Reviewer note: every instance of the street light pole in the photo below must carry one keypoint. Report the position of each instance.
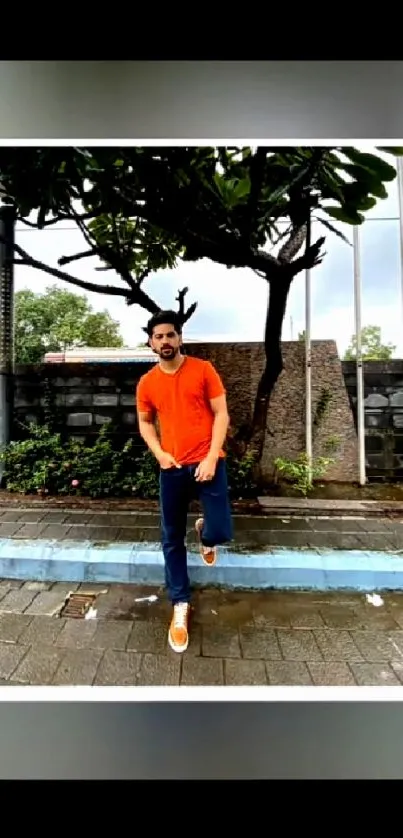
(399, 167)
(308, 374)
(7, 233)
(359, 366)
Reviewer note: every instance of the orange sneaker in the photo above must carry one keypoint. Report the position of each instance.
(178, 635)
(208, 554)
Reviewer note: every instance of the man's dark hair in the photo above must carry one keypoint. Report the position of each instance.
(164, 317)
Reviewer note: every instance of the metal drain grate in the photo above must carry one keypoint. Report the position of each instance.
(77, 605)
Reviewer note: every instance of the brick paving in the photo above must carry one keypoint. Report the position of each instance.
(266, 531)
(237, 639)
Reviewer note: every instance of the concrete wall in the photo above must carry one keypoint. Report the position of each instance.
(81, 397)
(383, 392)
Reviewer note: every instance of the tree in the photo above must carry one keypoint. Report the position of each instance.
(372, 348)
(141, 209)
(58, 320)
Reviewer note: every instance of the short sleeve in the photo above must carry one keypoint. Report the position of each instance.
(143, 401)
(213, 383)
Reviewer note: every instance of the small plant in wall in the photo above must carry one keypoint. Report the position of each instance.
(322, 408)
(301, 473)
(332, 444)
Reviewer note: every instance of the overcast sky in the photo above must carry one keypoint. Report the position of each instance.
(231, 303)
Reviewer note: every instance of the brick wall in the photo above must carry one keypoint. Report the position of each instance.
(81, 397)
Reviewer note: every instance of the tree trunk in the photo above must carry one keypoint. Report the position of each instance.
(255, 439)
(250, 439)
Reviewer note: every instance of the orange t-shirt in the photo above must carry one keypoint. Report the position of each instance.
(180, 400)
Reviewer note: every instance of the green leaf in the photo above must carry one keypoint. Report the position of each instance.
(366, 203)
(384, 171)
(219, 182)
(331, 181)
(242, 188)
(396, 151)
(333, 229)
(365, 180)
(355, 196)
(347, 215)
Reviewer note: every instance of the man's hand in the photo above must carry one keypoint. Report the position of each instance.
(206, 469)
(167, 461)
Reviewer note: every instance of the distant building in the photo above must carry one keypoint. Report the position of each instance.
(103, 355)
(100, 356)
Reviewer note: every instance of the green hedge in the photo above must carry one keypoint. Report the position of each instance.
(44, 464)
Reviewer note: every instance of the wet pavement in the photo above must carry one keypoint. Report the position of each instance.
(250, 531)
(237, 639)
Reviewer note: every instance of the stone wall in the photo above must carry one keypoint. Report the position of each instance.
(81, 397)
(241, 366)
(383, 394)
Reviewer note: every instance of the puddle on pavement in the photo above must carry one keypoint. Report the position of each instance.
(235, 609)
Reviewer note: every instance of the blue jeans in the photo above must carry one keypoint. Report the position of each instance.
(178, 488)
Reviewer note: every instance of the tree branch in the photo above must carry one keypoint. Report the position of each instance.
(188, 314)
(184, 314)
(310, 259)
(107, 254)
(257, 171)
(293, 244)
(28, 260)
(64, 260)
(86, 216)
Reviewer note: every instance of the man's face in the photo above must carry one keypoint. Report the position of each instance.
(165, 341)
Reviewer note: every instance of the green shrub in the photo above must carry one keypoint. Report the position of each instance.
(301, 473)
(241, 479)
(46, 465)
(146, 481)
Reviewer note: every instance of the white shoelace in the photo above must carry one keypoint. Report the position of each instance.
(180, 613)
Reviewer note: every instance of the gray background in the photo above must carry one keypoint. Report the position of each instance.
(201, 741)
(185, 99)
(75, 100)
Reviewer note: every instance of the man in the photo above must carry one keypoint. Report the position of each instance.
(187, 398)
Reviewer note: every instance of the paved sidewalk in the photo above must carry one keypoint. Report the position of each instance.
(251, 531)
(244, 639)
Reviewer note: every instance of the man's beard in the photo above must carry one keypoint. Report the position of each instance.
(169, 353)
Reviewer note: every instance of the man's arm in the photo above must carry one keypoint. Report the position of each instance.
(146, 420)
(146, 415)
(216, 395)
(148, 432)
(220, 425)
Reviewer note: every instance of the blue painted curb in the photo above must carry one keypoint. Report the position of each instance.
(142, 563)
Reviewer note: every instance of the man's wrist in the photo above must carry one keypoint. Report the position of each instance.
(213, 456)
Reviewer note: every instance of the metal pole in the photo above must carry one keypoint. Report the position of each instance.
(359, 364)
(308, 374)
(7, 231)
(399, 169)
